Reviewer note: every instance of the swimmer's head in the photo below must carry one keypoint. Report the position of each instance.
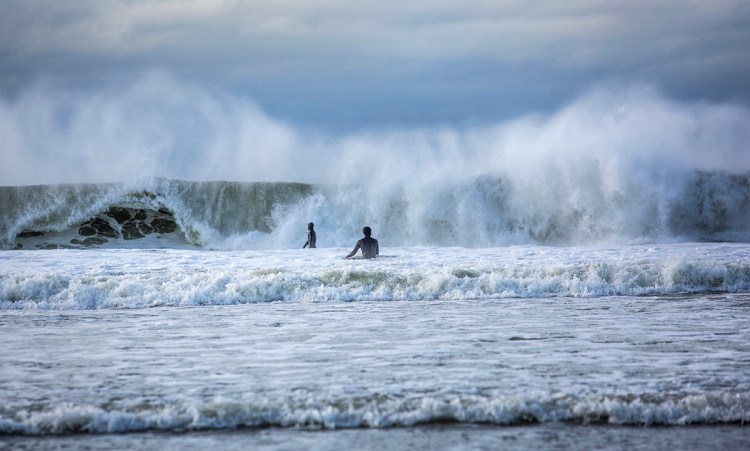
(367, 231)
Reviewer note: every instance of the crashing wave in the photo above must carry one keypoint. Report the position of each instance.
(381, 412)
(480, 212)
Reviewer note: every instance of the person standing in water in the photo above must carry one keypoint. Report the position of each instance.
(311, 238)
(368, 244)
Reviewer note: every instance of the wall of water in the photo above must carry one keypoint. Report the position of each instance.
(618, 164)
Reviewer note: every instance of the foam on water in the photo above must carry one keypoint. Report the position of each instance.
(114, 278)
(384, 412)
(671, 361)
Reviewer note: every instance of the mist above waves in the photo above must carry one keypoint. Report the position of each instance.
(160, 126)
(620, 161)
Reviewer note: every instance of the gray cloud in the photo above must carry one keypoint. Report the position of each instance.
(358, 64)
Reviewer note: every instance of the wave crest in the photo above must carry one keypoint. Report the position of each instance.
(382, 412)
(482, 212)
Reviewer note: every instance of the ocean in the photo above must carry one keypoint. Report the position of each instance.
(171, 314)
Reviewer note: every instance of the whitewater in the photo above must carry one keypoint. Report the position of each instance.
(467, 347)
(128, 279)
(572, 280)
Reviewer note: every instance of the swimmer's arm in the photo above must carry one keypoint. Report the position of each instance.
(356, 248)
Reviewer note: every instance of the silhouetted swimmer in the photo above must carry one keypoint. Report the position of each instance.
(311, 238)
(368, 244)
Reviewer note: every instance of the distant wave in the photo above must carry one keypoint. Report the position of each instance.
(203, 213)
(484, 211)
(617, 164)
(380, 411)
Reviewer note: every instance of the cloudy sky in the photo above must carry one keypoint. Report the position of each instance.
(351, 65)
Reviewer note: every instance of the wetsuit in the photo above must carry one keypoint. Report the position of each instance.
(369, 248)
(310, 239)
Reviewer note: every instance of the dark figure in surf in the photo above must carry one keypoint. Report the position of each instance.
(311, 238)
(368, 244)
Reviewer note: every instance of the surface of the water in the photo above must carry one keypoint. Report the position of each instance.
(428, 347)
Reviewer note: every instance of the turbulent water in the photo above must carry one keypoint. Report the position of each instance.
(124, 340)
(120, 278)
(571, 271)
(484, 211)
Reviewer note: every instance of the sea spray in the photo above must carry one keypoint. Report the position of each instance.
(485, 211)
(625, 166)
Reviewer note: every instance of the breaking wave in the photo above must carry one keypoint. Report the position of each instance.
(484, 211)
(618, 164)
(382, 412)
(180, 278)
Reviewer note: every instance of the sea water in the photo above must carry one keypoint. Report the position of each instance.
(512, 346)
(573, 280)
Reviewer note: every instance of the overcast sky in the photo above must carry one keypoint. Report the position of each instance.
(361, 64)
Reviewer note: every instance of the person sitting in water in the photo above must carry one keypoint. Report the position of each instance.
(311, 238)
(368, 244)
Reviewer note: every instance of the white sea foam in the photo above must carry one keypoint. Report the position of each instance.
(668, 361)
(121, 278)
(384, 412)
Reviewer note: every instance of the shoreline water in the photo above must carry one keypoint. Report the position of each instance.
(168, 348)
(616, 360)
(453, 437)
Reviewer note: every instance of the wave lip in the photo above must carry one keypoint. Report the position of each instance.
(480, 211)
(176, 213)
(382, 411)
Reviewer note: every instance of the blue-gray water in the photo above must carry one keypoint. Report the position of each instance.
(648, 372)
